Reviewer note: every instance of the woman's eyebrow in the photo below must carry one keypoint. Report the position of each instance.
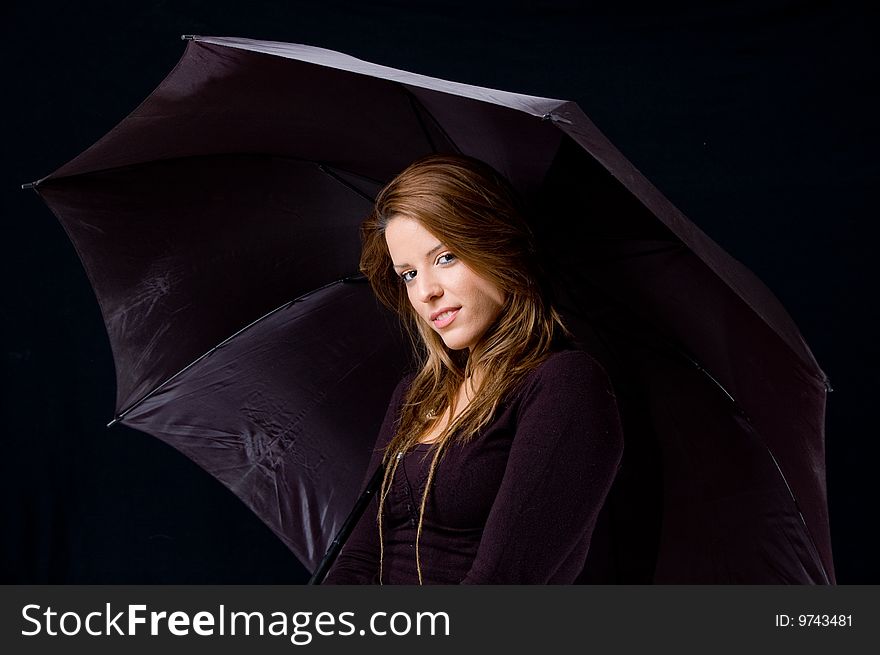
(427, 254)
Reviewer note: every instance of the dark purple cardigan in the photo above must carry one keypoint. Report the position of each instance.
(515, 505)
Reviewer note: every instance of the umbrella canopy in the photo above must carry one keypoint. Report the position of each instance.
(218, 226)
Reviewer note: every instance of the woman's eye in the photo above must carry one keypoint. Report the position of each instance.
(445, 258)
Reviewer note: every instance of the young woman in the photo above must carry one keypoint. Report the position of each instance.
(500, 450)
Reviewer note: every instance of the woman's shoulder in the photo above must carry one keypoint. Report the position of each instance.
(569, 363)
(566, 371)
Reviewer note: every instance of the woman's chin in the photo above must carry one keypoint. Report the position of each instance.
(454, 344)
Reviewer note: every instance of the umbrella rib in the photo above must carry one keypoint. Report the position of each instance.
(329, 171)
(345, 280)
(738, 409)
(800, 514)
(413, 102)
(703, 370)
(110, 169)
(417, 104)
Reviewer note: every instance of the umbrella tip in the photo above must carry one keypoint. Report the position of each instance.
(29, 185)
(187, 37)
(114, 421)
(556, 118)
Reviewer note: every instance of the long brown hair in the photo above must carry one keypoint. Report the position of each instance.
(475, 212)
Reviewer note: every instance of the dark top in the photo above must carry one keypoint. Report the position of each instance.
(515, 505)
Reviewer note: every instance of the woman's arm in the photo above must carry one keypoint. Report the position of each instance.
(563, 459)
(358, 561)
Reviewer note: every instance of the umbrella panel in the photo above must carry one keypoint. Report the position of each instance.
(264, 411)
(184, 253)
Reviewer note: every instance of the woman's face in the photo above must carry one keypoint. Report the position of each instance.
(457, 303)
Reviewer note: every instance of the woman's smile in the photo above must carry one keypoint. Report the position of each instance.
(445, 318)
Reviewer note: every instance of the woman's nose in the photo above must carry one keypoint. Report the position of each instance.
(428, 287)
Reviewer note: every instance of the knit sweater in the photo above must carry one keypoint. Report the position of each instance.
(517, 504)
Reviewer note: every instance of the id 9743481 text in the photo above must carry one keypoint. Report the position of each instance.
(813, 620)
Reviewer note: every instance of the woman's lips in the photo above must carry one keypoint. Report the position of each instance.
(445, 318)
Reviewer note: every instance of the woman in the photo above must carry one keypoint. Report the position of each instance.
(501, 448)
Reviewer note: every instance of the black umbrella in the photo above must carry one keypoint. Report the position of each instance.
(217, 224)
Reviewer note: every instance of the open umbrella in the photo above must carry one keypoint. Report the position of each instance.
(218, 226)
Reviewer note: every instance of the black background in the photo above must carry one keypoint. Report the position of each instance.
(757, 119)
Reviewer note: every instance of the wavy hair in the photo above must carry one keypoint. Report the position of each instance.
(476, 213)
